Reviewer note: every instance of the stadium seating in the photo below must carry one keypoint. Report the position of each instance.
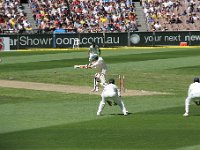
(100, 15)
(85, 16)
(173, 15)
(12, 17)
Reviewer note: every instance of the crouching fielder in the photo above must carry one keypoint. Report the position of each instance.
(111, 91)
(193, 94)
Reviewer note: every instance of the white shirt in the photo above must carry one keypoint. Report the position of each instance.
(157, 26)
(100, 64)
(111, 90)
(194, 90)
(170, 3)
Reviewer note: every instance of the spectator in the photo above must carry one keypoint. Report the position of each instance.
(157, 26)
(195, 17)
(190, 20)
(172, 20)
(178, 20)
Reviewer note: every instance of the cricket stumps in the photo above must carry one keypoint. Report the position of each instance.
(121, 83)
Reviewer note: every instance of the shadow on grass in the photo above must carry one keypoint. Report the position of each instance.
(161, 129)
(194, 111)
(120, 114)
(13, 100)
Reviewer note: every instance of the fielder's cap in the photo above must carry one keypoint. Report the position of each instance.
(111, 81)
(196, 79)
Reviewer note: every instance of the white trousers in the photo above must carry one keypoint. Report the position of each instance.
(188, 100)
(114, 96)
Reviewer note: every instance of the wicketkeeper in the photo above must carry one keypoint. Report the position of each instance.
(111, 91)
(193, 94)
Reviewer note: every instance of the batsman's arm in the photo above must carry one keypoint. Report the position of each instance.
(92, 65)
(81, 66)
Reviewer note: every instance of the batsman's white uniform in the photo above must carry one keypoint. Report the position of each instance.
(93, 50)
(100, 75)
(111, 91)
(193, 92)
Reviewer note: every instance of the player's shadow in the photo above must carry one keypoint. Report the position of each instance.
(195, 115)
(194, 111)
(120, 114)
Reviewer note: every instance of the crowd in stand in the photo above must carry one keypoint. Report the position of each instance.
(93, 16)
(12, 16)
(85, 15)
(170, 15)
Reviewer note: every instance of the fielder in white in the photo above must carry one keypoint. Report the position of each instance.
(111, 91)
(93, 50)
(193, 94)
(98, 62)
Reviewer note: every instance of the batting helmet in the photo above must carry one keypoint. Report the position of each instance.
(112, 81)
(94, 57)
(196, 79)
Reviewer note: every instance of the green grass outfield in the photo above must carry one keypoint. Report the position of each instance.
(42, 120)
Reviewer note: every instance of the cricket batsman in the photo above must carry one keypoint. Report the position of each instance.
(111, 91)
(98, 62)
(93, 50)
(193, 94)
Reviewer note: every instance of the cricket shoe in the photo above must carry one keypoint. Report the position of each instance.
(125, 114)
(98, 114)
(185, 114)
